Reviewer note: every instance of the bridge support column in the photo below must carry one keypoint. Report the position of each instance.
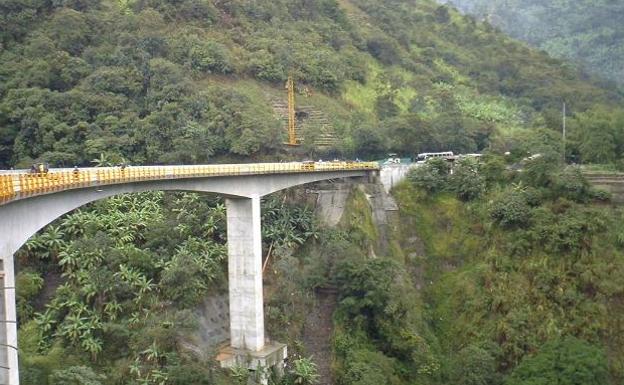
(9, 374)
(247, 341)
(245, 273)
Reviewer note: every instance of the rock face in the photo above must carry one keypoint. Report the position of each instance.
(317, 333)
(332, 199)
(214, 322)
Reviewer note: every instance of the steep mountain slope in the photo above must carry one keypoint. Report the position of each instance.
(159, 81)
(590, 32)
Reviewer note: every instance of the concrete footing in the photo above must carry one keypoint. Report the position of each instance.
(260, 363)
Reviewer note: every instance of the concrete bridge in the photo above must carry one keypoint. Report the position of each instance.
(30, 201)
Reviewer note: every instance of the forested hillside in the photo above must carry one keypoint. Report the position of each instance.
(489, 274)
(495, 277)
(521, 273)
(589, 32)
(193, 80)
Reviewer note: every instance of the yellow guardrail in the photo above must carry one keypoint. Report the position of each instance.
(7, 191)
(23, 184)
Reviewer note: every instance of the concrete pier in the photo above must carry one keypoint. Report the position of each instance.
(247, 342)
(9, 374)
(245, 273)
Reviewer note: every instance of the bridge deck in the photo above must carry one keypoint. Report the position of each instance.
(21, 184)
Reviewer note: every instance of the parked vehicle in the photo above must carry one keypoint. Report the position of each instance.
(422, 157)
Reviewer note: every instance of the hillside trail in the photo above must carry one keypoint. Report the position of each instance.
(317, 333)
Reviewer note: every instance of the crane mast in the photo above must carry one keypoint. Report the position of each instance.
(292, 133)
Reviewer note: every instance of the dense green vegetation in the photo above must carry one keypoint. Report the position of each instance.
(194, 81)
(510, 270)
(589, 32)
(114, 287)
(500, 277)
(524, 277)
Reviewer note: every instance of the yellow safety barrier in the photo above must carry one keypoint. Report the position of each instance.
(27, 184)
(7, 190)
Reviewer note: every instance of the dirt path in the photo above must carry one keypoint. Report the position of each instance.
(52, 280)
(317, 333)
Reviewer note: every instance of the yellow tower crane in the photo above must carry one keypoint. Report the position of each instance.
(292, 133)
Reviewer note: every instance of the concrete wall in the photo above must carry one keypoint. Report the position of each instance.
(391, 174)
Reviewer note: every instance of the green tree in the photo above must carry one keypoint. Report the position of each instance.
(467, 181)
(598, 136)
(431, 176)
(474, 366)
(566, 361)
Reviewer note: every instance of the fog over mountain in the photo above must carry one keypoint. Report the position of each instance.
(590, 32)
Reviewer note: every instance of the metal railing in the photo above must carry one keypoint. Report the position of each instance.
(20, 184)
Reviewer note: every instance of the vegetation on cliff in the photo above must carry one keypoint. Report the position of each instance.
(523, 281)
(501, 277)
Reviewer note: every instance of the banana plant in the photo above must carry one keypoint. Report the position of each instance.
(53, 241)
(305, 372)
(69, 260)
(112, 310)
(93, 346)
(73, 327)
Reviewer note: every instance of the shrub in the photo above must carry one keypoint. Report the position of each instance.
(493, 168)
(467, 181)
(571, 184)
(28, 286)
(511, 209)
(76, 375)
(474, 366)
(365, 367)
(568, 361)
(601, 195)
(210, 57)
(432, 176)
(304, 372)
(539, 170)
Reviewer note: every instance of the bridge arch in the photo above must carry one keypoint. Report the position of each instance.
(21, 219)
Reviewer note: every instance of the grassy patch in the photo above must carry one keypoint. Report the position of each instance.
(358, 221)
